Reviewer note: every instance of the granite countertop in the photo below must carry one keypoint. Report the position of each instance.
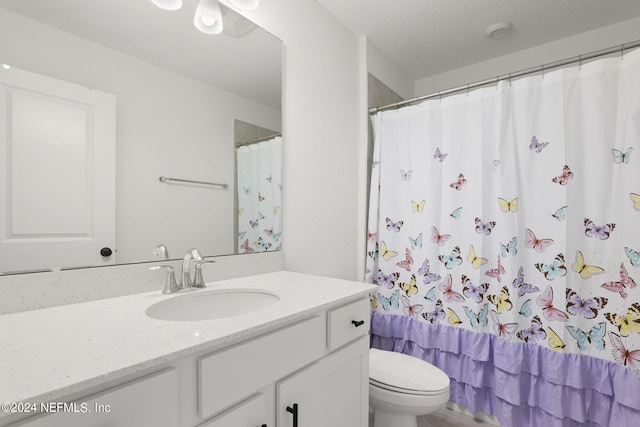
(51, 353)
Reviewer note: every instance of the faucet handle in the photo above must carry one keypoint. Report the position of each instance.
(199, 282)
(170, 285)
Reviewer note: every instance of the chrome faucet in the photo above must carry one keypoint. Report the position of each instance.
(187, 282)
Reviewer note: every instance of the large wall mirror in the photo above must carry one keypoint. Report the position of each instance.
(176, 103)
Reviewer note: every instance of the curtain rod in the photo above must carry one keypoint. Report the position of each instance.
(495, 80)
(257, 140)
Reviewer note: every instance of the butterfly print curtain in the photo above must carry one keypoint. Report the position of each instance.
(259, 196)
(504, 235)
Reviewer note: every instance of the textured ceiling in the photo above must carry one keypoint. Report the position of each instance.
(429, 37)
(249, 66)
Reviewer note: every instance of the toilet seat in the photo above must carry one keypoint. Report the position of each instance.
(401, 373)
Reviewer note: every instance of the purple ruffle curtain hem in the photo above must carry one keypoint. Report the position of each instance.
(524, 385)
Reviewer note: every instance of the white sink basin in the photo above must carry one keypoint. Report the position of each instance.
(207, 305)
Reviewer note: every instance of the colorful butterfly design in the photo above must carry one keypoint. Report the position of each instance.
(389, 302)
(276, 236)
(532, 242)
(553, 270)
(497, 272)
(548, 310)
(635, 199)
(554, 341)
(436, 315)
(240, 211)
(410, 288)
(502, 329)
(534, 333)
(428, 276)
(501, 300)
(522, 287)
(245, 247)
(406, 176)
(246, 190)
(439, 156)
(600, 231)
(388, 280)
(537, 146)
(260, 197)
(449, 294)
(475, 261)
(276, 209)
(510, 248)
(374, 253)
(628, 323)
(254, 224)
(410, 310)
(588, 308)
(241, 235)
(456, 213)
(508, 206)
(620, 157)
(560, 214)
(407, 262)
(594, 337)
(525, 309)
(453, 317)
(626, 281)
(459, 183)
(394, 226)
(261, 244)
(477, 319)
(472, 291)
(416, 243)
(440, 239)
(452, 259)
(484, 227)
(633, 255)
(260, 216)
(386, 253)
(623, 356)
(585, 271)
(374, 302)
(268, 231)
(564, 177)
(269, 178)
(418, 207)
(372, 236)
(431, 295)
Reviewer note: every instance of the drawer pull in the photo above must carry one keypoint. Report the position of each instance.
(263, 425)
(357, 323)
(294, 411)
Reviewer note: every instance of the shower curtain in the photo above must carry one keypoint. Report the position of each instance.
(259, 196)
(504, 236)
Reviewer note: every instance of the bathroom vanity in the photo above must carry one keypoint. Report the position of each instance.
(301, 361)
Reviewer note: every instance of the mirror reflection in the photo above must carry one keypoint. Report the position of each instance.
(169, 98)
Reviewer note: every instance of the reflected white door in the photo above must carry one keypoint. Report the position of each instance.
(57, 173)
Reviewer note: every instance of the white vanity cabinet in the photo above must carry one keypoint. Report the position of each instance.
(318, 361)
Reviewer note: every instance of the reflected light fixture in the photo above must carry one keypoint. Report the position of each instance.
(208, 17)
(168, 4)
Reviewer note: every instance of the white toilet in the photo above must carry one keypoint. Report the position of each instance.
(403, 387)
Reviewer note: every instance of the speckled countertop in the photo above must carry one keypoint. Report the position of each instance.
(51, 353)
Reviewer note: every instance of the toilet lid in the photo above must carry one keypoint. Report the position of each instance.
(404, 373)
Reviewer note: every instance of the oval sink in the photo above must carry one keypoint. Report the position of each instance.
(207, 305)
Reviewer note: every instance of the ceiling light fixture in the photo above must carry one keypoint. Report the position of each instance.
(498, 31)
(208, 17)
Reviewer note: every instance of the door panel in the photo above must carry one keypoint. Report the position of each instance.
(57, 173)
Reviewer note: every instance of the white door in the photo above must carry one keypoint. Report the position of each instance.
(57, 173)
(332, 392)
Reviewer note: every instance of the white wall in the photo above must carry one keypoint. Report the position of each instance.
(386, 71)
(602, 38)
(167, 124)
(321, 128)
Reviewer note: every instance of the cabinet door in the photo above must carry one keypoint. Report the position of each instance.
(332, 392)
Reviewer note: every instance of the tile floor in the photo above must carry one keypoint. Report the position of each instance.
(447, 418)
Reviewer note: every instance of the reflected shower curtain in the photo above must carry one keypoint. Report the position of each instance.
(504, 235)
(260, 196)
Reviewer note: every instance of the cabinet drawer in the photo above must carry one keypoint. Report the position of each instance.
(232, 374)
(250, 413)
(342, 326)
